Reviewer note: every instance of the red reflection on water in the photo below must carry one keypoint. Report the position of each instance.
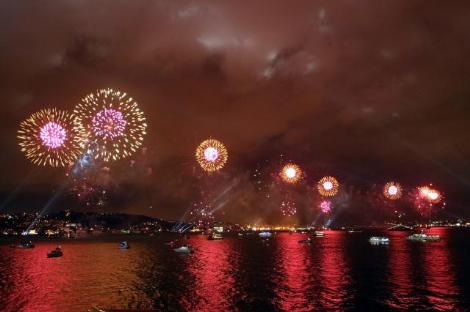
(440, 276)
(294, 260)
(212, 266)
(35, 281)
(400, 270)
(333, 271)
(88, 274)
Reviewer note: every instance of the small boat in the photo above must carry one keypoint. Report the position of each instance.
(376, 240)
(124, 245)
(184, 249)
(305, 241)
(265, 234)
(240, 234)
(354, 231)
(26, 244)
(215, 236)
(422, 237)
(57, 252)
(319, 234)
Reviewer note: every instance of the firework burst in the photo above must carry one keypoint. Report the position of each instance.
(290, 173)
(328, 186)
(211, 155)
(201, 214)
(325, 206)
(51, 137)
(429, 194)
(392, 190)
(426, 198)
(113, 122)
(288, 208)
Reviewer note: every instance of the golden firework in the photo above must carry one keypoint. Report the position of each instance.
(211, 155)
(392, 190)
(328, 186)
(113, 122)
(290, 173)
(51, 137)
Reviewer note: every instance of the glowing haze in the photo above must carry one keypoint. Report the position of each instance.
(356, 89)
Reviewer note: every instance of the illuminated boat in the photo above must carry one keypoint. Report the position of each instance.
(319, 234)
(265, 234)
(375, 240)
(124, 245)
(186, 249)
(57, 252)
(422, 237)
(215, 236)
(354, 231)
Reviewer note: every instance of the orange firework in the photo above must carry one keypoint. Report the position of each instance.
(291, 173)
(211, 155)
(392, 190)
(328, 186)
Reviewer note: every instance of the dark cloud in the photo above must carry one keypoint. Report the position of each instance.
(364, 89)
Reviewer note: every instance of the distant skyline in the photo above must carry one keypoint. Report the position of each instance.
(361, 90)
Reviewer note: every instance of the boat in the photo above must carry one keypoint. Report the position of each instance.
(215, 236)
(265, 234)
(305, 241)
(319, 234)
(422, 237)
(186, 249)
(376, 240)
(57, 252)
(26, 244)
(354, 231)
(124, 245)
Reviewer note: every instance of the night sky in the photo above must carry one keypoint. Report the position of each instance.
(367, 91)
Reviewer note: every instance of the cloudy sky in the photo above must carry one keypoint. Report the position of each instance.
(364, 90)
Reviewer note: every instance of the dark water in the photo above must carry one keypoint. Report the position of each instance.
(339, 272)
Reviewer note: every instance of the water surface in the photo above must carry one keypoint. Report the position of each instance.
(341, 271)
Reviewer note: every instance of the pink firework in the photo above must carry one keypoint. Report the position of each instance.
(325, 206)
(108, 123)
(53, 135)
